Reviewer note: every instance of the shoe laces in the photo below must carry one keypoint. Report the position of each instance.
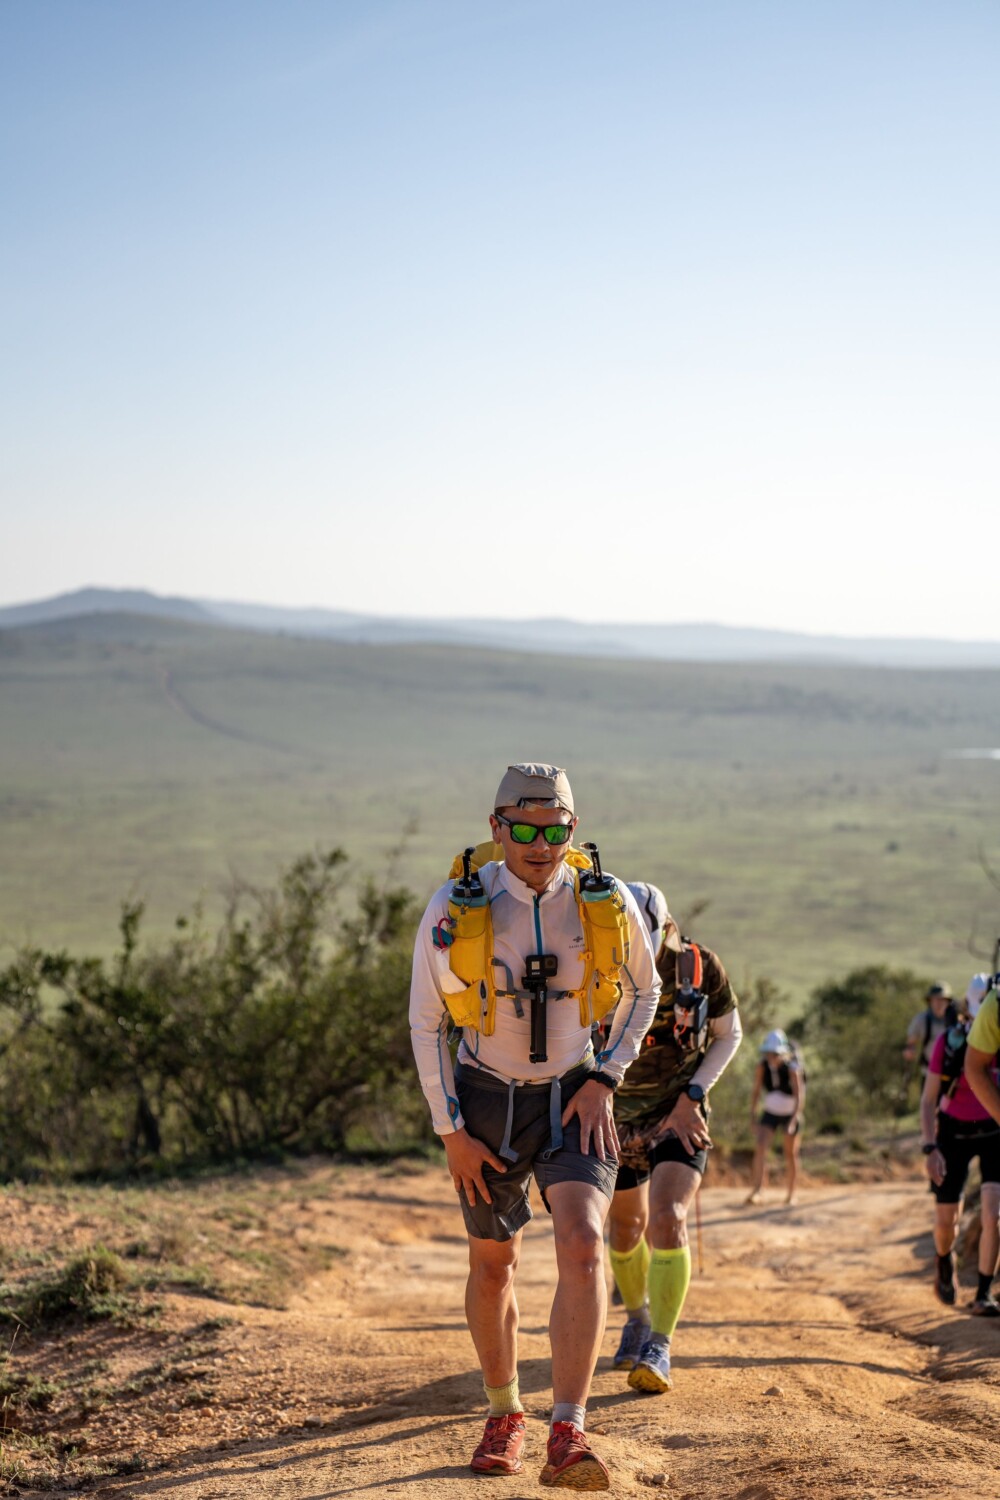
(565, 1437)
(634, 1334)
(500, 1430)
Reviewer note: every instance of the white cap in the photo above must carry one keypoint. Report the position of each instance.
(652, 903)
(776, 1041)
(979, 988)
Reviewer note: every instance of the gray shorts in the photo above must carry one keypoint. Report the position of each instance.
(485, 1102)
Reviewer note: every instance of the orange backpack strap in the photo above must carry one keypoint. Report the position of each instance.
(689, 966)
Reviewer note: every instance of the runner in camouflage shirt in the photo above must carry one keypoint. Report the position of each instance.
(662, 1071)
(661, 1113)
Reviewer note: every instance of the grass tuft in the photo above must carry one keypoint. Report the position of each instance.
(94, 1284)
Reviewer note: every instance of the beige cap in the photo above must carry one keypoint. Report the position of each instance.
(534, 786)
(672, 936)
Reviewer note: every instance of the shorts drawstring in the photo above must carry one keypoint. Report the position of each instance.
(506, 1150)
(555, 1119)
(555, 1106)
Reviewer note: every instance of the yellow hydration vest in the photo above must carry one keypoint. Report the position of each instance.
(603, 918)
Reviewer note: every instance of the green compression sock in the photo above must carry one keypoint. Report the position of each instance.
(669, 1279)
(629, 1268)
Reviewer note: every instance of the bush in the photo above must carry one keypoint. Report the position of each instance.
(850, 1038)
(857, 1025)
(275, 1034)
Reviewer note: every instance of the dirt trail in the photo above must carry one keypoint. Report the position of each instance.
(368, 1385)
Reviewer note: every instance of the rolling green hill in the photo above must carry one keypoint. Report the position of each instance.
(819, 810)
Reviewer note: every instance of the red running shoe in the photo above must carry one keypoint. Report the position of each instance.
(573, 1464)
(500, 1449)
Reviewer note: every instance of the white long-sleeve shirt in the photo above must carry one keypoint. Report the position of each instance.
(725, 1034)
(524, 923)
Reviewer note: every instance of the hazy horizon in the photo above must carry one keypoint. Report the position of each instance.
(442, 616)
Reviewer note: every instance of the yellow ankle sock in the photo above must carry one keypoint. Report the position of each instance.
(503, 1398)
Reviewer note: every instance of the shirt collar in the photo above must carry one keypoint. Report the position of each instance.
(522, 892)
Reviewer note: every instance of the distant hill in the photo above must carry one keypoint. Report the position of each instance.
(699, 642)
(94, 601)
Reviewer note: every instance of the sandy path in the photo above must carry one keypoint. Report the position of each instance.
(881, 1391)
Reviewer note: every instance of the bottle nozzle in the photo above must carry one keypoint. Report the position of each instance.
(595, 859)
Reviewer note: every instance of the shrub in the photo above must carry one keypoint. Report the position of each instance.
(280, 1032)
(857, 1025)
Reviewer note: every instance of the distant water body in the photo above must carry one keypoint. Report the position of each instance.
(972, 754)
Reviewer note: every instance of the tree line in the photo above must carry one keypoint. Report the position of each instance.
(284, 1029)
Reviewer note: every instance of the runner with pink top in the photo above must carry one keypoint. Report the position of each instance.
(956, 1128)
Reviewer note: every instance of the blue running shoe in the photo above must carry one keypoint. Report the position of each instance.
(634, 1335)
(651, 1371)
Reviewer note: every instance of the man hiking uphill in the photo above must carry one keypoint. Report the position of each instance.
(525, 954)
(661, 1111)
(956, 1127)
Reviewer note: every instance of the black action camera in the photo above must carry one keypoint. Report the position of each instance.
(540, 968)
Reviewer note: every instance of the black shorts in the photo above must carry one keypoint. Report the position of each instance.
(958, 1143)
(668, 1150)
(484, 1102)
(790, 1123)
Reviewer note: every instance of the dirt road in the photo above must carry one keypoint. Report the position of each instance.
(812, 1360)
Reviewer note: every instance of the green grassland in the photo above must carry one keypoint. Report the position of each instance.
(815, 808)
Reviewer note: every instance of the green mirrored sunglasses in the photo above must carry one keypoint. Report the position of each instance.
(526, 833)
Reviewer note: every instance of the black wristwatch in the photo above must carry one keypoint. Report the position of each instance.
(606, 1079)
(695, 1093)
(927, 1149)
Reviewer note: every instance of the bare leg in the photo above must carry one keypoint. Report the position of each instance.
(491, 1307)
(791, 1163)
(628, 1218)
(765, 1135)
(946, 1218)
(989, 1240)
(576, 1324)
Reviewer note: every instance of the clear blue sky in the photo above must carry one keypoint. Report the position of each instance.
(385, 305)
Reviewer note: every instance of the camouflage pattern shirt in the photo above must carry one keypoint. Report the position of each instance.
(661, 1072)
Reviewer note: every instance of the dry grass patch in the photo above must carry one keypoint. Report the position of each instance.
(111, 1349)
